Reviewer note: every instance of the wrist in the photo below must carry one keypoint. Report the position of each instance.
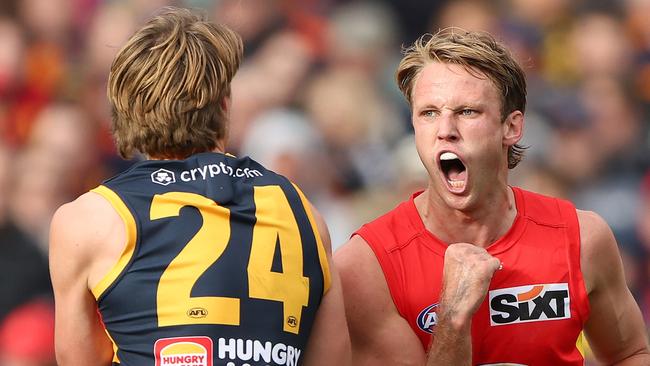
(454, 320)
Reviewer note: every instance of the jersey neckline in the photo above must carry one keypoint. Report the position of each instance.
(500, 245)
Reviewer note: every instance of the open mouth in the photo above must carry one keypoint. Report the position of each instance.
(454, 170)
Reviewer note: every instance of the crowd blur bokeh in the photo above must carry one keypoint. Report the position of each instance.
(315, 99)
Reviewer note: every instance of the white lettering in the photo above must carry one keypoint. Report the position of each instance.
(263, 350)
(290, 356)
(297, 355)
(210, 171)
(231, 348)
(244, 351)
(204, 171)
(226, 169)
(214, 170)
(257, 351)
(279, 354)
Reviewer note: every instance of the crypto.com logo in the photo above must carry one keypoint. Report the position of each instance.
(163, 177)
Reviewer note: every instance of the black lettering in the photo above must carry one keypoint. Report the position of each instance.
(543, 305)
(524, 311)
(501, 304)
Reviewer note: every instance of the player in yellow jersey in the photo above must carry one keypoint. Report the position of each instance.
(193, 256)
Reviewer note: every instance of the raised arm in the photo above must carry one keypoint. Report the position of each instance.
(615, 328)
(79, 336)
(379, 334)
(329, 342)
(467, 274)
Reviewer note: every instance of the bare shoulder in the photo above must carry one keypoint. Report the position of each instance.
(359, 268)
(88, 217)
(594, 230)
(598, 248)
(79, 232)
(322, 229)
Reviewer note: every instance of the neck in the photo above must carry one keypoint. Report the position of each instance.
(220, 147)
(481, 226)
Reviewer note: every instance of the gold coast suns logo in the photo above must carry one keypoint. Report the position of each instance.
(532, 303)
(185, 351)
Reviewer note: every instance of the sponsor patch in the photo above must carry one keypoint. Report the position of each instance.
(428, 318)
(183, 351)
(163, 177)
(531, 303)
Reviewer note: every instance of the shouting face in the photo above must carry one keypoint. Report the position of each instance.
(461, 135)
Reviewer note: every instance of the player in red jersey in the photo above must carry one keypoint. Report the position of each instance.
(192, 256)
(472, 270)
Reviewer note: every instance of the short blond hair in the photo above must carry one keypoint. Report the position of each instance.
(167, 85)
(476, 51)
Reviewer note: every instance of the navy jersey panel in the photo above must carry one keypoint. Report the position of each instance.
(204, 210)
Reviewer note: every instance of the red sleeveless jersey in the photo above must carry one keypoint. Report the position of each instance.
(536, 305)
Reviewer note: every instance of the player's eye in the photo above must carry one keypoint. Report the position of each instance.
(467, 112)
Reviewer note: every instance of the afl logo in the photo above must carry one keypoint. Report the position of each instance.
(197, 313)
(292, 321)
(428, 318)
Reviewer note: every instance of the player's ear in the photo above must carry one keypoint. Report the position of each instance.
(225, 104)
(513, 128)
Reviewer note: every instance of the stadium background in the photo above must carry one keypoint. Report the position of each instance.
(315, 99)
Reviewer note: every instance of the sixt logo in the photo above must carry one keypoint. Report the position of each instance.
(428, 318)
(530, 303)
(163, 177)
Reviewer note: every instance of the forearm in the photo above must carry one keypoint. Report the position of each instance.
(452, 341)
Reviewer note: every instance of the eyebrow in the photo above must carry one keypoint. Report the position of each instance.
(461, 106)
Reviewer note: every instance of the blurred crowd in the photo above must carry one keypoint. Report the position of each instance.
(315, 99)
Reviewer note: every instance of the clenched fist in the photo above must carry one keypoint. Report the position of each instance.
(467, 273)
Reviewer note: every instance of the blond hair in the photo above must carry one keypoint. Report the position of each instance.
(480, 54)
(167, 85)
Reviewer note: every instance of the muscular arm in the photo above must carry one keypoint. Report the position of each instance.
(615, 328)
(329, 342)
(379, 334)
(79, 336)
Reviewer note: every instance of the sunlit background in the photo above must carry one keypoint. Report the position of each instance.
(315, 99)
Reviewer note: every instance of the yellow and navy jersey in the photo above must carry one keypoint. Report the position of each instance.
(223, 265)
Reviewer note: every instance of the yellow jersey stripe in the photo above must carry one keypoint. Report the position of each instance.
(129, 248)
(324, 264)
(115, 348)
(582, 345)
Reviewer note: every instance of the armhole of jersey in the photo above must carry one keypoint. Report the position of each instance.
(116, 360)
(129, 248)
(574, 249)
(390, 273)
(322, 256)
